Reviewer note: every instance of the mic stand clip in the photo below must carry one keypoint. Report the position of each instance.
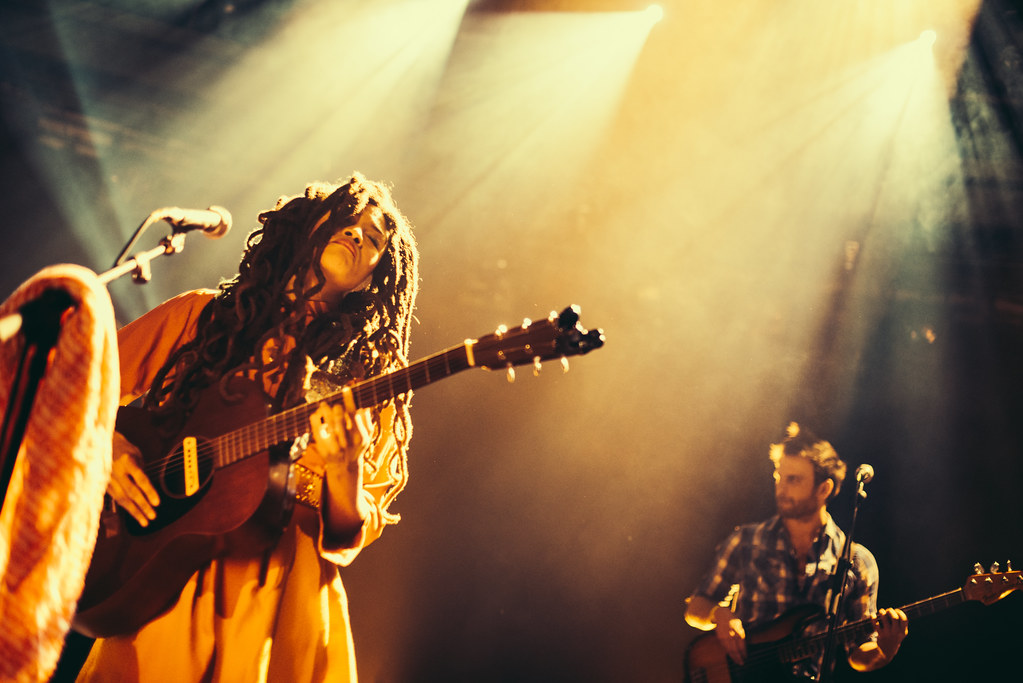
(138, 265)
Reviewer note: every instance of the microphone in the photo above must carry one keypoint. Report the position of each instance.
(864, 473)
(214, 222)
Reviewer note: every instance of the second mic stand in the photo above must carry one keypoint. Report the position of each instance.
(839, 582)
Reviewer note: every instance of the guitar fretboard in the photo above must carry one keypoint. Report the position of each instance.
(294, 422)
(858, 631)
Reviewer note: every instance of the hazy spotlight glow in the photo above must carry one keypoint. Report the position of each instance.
(401, 48)
(654, 13)
(927, 38)
(533, 90)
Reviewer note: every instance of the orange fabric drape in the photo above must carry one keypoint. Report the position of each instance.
(50, 516)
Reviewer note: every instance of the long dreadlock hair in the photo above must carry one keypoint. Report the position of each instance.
(266, 303)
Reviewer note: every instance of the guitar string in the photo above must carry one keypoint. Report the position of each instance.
(366, 393)
(539, 347)
(277, 428)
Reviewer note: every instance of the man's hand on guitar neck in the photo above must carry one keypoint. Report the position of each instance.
(129, 486)
(892, 627)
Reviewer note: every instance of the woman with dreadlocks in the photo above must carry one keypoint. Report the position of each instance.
(323, 296)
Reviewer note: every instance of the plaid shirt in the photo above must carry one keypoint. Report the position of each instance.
(759, 560)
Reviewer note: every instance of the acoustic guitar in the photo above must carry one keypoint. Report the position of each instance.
(773, 650)
(226, 480)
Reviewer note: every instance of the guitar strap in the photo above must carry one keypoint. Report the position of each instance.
(806, 579)
(809, 574)
(836, 585)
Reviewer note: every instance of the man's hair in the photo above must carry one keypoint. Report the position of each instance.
(365, 335)
(805, 444)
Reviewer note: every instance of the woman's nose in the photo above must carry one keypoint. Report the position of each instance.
(355, 233)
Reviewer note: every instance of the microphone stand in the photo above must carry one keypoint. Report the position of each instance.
(138, 265)
(839, 581)
(40, 320)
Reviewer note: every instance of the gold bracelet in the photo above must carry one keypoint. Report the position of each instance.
(308, 485)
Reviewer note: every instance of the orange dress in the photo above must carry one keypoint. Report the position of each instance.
(228, 624)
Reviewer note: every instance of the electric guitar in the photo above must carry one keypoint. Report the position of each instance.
(771, 651)
(226, 482)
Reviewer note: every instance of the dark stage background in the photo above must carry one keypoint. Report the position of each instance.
(775, 209)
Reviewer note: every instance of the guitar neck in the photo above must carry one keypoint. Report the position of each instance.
(292, 423)
(858, 631)
(864, 627)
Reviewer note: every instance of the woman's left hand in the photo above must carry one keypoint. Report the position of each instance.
(341, 439)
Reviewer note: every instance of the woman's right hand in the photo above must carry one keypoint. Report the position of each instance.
(129, 486)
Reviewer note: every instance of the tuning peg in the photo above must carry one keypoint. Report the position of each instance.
(978, 568)
(568, 318)
(511, 373)
(526, 322)
(1008, 565)
(536, 366)
(994, 568)
(501, 330)
(564, 363)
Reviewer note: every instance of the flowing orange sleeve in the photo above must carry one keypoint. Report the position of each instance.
(383, 477)
(147, 342)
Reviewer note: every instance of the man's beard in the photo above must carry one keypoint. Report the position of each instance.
(797, 509)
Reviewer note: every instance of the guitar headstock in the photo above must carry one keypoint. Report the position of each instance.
(992, 586)
(559, 336)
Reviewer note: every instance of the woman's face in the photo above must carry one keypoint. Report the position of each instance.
(352, 253)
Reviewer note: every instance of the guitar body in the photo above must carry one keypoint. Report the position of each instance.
(706, 661)
(138, 572)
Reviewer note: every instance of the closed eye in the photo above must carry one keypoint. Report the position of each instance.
(376, 237)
